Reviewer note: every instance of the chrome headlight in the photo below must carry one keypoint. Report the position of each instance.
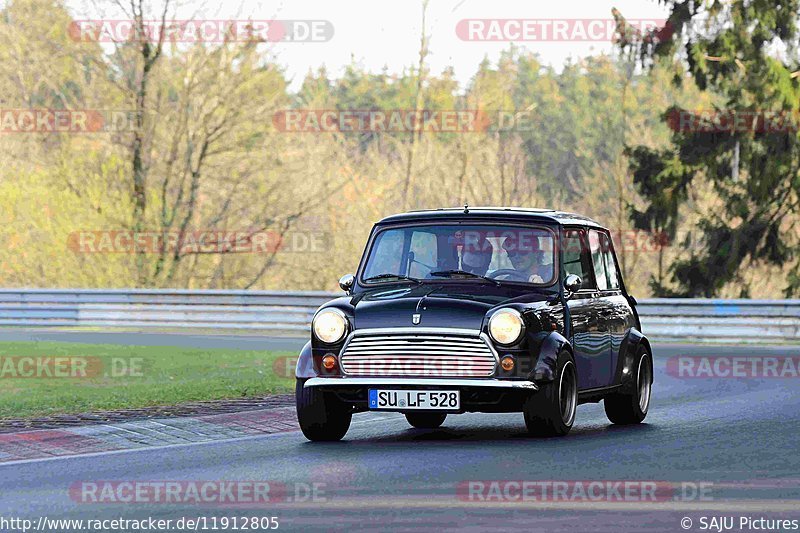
(506, 326)
(329, 325)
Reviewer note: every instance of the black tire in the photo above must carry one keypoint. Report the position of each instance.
(631, 407)
(426, 420)
(550, 412)
(321, 416)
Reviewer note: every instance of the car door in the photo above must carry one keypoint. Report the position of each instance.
(589, 336)
(618, 312)
(608, 298)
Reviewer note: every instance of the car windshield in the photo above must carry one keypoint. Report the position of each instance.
(475, 252)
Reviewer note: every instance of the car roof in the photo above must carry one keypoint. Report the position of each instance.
(529, 214)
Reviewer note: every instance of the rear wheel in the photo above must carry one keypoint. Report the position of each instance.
(550, 412)
(631, 407)
(426, 420)
(321, 415)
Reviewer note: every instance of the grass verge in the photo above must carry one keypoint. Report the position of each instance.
(47, 378)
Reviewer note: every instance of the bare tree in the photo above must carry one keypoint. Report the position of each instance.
(418, 99)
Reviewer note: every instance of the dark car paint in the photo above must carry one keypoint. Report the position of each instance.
(604, 341)
(439, 305)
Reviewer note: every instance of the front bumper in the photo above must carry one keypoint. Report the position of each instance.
(486, 395)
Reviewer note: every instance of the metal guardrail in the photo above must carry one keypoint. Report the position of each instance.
(160, 308)
(291, 312)
(735, 320)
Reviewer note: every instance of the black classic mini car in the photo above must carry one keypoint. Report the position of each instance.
(477, 309)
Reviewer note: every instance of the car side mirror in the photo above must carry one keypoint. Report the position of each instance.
(346, 282)
(572, 284)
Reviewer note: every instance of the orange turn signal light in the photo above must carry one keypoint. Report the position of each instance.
(329, 362)
(507, 363)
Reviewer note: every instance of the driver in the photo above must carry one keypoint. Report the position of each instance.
(528, 259)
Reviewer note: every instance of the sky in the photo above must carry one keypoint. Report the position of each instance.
(379, 33)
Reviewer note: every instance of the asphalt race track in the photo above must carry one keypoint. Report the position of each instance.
(716, 447)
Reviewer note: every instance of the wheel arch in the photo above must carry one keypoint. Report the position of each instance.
(628, 350)
(549, 346)
(305, 363)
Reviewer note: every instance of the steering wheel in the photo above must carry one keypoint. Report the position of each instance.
(510, 272)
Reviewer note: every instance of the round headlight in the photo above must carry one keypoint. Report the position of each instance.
(506, 326)
(330, 325)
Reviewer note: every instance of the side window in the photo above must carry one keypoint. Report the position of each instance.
(423, 256)
(576, 257)
(598, 260)
(611, 266)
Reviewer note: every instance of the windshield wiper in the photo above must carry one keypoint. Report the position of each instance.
(456, 272)
(392, 276)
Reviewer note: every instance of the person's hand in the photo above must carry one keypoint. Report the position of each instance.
(535, 278)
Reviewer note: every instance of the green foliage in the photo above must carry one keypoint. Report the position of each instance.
(742, 52)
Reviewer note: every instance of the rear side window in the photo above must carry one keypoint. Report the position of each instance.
(605, 269)
(611, 266)
(598, 261)
(576, 257)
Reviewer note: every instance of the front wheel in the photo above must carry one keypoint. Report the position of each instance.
(322, 417)
(631, 407)
(426, 420)
(550, 412)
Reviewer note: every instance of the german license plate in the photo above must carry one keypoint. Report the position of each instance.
(409, 400)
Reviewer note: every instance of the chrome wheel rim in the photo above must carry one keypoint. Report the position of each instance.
(643, 380)
(568, 393)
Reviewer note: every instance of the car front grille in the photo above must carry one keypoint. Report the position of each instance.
(431, 355)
